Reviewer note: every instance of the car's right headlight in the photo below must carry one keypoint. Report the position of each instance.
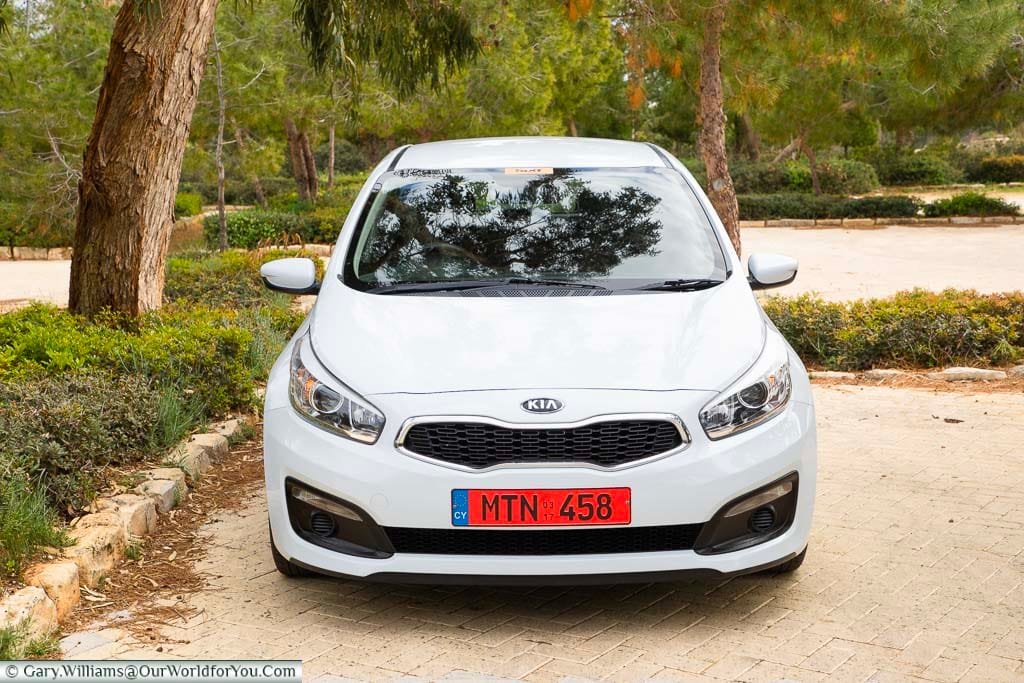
(326, 402)
(759, 395)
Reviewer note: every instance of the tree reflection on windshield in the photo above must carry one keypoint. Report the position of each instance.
(448, 227)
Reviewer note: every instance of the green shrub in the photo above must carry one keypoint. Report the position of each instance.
(187, 204)
(1002, 169)
(64, 431)
(898, 166)
(248, 229)
(910, 329)
(27, 519)
(971, 204)
(837, 176)
(808, 206)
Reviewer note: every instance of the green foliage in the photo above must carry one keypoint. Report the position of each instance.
(898, 166)
(915, 329)
(187, 204)
(837, 176)
(1000, 169)
(971, 204)
(807, 206)
(251, 228)
(26, 520)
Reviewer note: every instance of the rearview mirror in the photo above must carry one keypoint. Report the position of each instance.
(771, 270)
(290, 275)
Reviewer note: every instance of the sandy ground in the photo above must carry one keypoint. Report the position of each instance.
(838, 264)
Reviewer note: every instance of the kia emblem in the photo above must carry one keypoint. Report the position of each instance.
(542, 405)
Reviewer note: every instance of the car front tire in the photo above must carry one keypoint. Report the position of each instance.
(285, 566)
(789, 565)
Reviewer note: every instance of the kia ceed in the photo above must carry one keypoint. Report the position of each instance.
(536, 360)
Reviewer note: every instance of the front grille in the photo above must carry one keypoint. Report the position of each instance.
(543, 542)
(479, 445)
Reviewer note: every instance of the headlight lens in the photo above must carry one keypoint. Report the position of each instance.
(759, 395)
(331, 406)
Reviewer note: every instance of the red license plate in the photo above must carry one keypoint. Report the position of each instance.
(540, 507)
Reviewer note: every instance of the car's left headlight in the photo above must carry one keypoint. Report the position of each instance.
(759, 395)
(326, 402)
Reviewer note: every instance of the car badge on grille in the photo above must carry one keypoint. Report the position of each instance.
(542, 405)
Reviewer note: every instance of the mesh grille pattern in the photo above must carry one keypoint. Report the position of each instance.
(479, 445)
(543, 542)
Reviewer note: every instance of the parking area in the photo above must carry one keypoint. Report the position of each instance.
(915, 571)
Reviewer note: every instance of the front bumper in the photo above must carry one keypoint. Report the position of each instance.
(396, 490)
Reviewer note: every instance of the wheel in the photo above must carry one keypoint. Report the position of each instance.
(789, 565)
(286, 567)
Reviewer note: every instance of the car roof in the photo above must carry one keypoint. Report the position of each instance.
(529, 152)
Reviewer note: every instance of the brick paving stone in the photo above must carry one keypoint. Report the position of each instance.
(915, 572)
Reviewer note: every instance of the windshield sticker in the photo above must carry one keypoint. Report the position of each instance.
(529, 171)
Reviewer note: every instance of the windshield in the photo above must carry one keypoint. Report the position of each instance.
(618, 228)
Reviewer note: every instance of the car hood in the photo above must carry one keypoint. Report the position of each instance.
(656, 341)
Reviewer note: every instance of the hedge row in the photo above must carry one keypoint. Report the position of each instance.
(803, 206)
(79, 396)
(999, 169)
(915, 329)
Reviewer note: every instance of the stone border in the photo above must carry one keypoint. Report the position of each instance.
(64, 253)
(876, 223)
(955, 374)
(54, 587)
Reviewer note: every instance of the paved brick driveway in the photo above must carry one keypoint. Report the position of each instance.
(915, 570)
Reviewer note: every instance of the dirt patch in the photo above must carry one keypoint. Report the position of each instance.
(916, 380)
(149, 588)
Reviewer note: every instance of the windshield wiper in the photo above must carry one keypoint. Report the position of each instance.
(457, 285)
(688, 285)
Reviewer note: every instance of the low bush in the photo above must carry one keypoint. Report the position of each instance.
(248, 229)
(187, 204)
(837, 176)
(808, 206)
(1001, 169)
(971, 204)
(898, 166)
(26, 518)
(915, 329)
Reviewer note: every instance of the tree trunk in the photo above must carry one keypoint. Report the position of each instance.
(330, 157)
(748, 142)
(257, 186)
(571, 125)
(711, 119)
(787, 151)
(812, 161)
(221, 116)
(310, 161)
(296, 154)
(133, 155)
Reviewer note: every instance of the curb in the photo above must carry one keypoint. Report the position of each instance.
(876, 223)
(54, 587)
(952, 374)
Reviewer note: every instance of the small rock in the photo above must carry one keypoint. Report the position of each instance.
(832, 374)
(216, 445)
(228, 428)
(967, 374)
(32, 607)
(194, 458)
(173, 473)
(883, 373)
(60, 581)
(137, 513)
(1016, 371)
(97, 547)
(165, 493)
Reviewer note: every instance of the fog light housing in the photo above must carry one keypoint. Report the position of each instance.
(753, 518)
(324, 520)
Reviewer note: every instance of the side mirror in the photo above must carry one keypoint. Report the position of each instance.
(771, 270)
(290, 275)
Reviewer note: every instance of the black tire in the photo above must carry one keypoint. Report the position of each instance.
(286, 567)
(789, 565)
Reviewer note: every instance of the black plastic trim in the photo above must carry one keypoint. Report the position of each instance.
(719, 537)
(315, 289)
(756, 284)
(546, 580)
(398, 157)
(359, 539)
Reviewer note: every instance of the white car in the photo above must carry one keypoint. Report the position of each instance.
(536, 360)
